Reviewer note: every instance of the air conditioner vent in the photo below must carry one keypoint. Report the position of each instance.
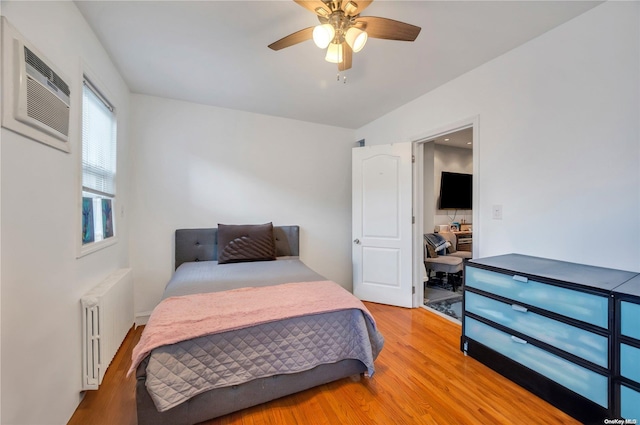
(43, 68)
(44, 106)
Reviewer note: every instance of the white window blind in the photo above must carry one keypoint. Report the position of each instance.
(98, 143)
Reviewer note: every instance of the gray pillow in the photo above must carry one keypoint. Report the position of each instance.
(245, 242)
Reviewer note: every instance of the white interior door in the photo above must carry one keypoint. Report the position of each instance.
(382, 224)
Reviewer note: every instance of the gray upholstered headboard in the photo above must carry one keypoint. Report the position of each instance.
(202, 244)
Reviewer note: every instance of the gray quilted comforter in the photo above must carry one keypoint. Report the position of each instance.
(180, 371)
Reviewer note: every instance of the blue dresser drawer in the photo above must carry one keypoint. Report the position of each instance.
(579, 342)
(630, 320)
(578, 305)
(630, 362)
(587, 383)
(629, 403)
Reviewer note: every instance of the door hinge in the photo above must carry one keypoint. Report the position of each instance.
(413, 158)
(413, 220)
(413, 289)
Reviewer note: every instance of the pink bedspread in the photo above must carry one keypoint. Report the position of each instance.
(191, 316)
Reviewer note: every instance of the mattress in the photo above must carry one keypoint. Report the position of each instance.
(209, 276)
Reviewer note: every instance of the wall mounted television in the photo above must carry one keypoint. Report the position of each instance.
(455, 191)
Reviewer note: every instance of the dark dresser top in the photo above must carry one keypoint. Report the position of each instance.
(579, 274)
(631, 287)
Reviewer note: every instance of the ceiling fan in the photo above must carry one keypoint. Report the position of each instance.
(342, 31)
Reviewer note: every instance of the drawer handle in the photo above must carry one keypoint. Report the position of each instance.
(520, 278)
(519, 308)
(518, 340)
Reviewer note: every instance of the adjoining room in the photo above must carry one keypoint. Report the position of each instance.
(447, 218)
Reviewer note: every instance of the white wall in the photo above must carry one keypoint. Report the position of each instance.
(197, 166)
(429, 189)
(42, 281)
(558, 141)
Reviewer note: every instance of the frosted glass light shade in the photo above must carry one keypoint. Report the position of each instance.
(323, 35)
(356, 38)
(334, 53)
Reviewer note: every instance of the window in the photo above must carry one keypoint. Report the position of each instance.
(98, 166)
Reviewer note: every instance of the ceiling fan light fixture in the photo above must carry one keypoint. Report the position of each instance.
(321, 11)
(323, 35)
(356, 39)
(342, 30)
(334, 53)
(350, 8)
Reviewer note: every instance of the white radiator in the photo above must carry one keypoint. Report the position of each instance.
(107, 316)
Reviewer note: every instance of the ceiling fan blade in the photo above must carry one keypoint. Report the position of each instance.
(355, 7)
(291, 39)
(388, 29)
(316, 6)
(347, 55)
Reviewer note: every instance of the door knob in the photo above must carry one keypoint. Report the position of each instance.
(356, 241)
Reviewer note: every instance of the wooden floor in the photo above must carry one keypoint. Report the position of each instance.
(421, 378)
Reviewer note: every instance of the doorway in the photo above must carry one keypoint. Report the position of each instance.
(453, 149)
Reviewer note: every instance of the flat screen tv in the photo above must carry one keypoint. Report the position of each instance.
(455, 191)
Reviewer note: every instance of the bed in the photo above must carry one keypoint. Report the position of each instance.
(205, 375)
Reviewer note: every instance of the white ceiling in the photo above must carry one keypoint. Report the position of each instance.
(458, 139)
(215, 52)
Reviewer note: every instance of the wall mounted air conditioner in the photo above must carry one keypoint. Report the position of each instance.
(36, 98)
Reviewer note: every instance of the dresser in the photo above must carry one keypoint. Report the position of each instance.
(627, 345)
(551, 327)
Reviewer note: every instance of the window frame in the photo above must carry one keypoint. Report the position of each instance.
(96, 85)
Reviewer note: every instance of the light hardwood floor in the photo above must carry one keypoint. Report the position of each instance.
(421, 378)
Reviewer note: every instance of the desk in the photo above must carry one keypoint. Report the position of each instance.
(464, 240)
